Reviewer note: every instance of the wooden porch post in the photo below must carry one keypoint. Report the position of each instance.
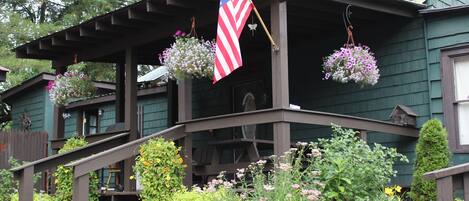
(445, 188)
(81, 188)
(280, 87)
(185, 113)
(130, 111)
(59, 127)
(120, 91)
(26, 184)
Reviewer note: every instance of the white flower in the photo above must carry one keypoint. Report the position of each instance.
(268, 187)
(261, 162)
(301, 144)
(315, 152)
(284, 166)
(295, 186)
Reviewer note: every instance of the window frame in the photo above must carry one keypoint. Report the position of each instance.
(450, 111)
(86, 125)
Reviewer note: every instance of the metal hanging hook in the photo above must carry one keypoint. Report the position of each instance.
(346, 16)
(348, 25)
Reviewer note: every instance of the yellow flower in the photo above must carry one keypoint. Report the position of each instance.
(389, 191)
(180, 160)
(56, 181)
(398, 189)
(132, 177)
(168, 178)
(146, 163)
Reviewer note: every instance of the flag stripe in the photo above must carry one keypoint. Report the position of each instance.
(231, 20)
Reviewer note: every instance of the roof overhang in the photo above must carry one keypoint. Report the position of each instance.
(112, 97)
(149, 24)
(402, 8)
(446, 10)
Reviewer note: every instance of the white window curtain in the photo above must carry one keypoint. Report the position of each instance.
(461, 82)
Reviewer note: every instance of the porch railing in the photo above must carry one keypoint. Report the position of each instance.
(25, 172)
(83, 167)
(445, 181)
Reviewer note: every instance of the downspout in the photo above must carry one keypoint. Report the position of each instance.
(425, 32)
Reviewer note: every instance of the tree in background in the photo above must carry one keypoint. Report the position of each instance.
(432, 154)
(25, 20)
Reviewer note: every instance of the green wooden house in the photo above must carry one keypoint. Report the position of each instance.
(279, 96)
(30, 106)
(32, 110)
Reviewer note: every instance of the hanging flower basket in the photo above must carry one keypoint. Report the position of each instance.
(189, 56)
(352, 63)
(72, 85)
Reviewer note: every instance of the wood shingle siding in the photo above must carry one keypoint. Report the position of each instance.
(32, 103)
(401, 53)
(444, 32)
(155, 115)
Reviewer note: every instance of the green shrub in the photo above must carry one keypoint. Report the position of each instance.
(432, 154)
(351, 169)
(64, 176)
(218, 195)
(342, 168)
(160, 169)
(8, 185)
(36, 197)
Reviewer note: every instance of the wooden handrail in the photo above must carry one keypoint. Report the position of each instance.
(59, 143)
(446, 172)
(122, 152)
(296, 116)
(444, 180)
(24, 173)
(83, 167)
(92, 148)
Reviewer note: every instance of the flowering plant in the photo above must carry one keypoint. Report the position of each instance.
(160, 169)
(72, 84)
(292, 177)
(352, 63)
(189, 56)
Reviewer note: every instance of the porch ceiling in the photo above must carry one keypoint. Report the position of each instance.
(148, 25)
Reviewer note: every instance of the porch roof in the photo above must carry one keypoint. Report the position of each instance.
(148, 25)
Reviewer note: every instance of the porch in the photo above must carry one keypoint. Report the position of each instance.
(134, 34)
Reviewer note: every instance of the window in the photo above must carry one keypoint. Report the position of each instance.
(455, 80)
(91, 122)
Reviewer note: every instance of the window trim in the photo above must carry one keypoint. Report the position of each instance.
(450, 112)
(86, 127)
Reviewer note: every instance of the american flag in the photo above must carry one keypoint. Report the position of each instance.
(232, 17)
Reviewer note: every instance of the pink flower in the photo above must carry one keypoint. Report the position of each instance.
(295, 186)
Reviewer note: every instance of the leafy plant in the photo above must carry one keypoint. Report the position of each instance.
(36, 197)
(8, 185)
(72, 84)
(64, 176)
(432, 153)
(351, 169)
(220, 194)
(160, 168)
(292, 177)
